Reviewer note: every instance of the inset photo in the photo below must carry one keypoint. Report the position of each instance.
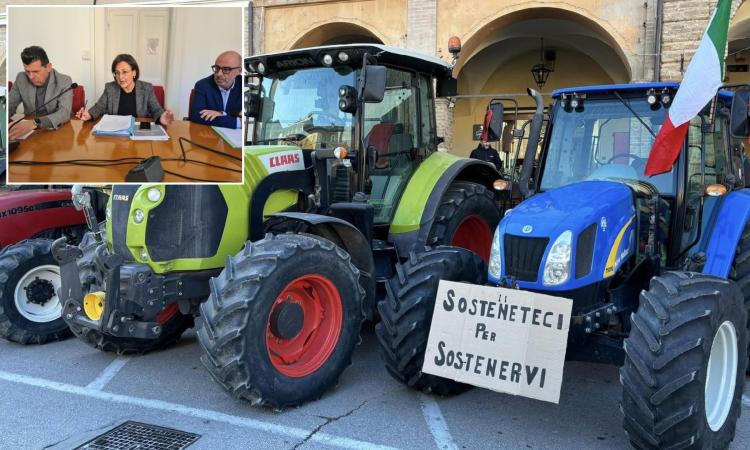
(124, 94)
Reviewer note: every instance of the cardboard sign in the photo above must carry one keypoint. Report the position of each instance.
(505, 340)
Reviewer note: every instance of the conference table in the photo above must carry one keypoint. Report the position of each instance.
(39, 158)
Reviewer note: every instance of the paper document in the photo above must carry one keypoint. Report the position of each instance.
(232, 136)
(111, 125)
(155, 133)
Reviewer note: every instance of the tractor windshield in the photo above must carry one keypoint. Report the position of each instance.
(604, 139)
(302, 106)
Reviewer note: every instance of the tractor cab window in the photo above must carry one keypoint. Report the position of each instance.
(716, 170)
(428, 136)
(301, 107)
(392, 131)
(603, 139)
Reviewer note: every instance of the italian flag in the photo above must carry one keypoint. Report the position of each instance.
(699, 85)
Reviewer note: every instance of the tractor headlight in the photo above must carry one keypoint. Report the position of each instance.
(154, 194)
(496, 263)
(557, 267)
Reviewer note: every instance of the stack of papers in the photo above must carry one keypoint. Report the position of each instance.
(232, 136)
(111, 125)
(155, 133)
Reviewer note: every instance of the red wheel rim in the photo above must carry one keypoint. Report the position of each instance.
(474, 234)
(167, 313)
(309, 349)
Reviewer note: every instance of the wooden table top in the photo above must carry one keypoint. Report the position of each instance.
(75, 141)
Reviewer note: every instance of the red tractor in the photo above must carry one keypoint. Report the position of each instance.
(30, 220)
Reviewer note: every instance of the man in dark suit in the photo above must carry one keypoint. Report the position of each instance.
(218, 98)
(37, 84)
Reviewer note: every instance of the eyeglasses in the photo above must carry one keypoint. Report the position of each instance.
(124, 72)
(224, 70)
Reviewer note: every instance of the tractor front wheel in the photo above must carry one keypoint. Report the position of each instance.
(467, 218)
(30, 311)
(282, 320)
(406, 313)
(685, 361)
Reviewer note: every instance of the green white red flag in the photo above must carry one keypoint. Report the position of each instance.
(699, 85)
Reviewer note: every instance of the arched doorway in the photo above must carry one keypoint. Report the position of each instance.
(738, 54)
(336, 33)
(498, 58)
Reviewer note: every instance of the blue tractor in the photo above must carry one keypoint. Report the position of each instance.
(658, 268)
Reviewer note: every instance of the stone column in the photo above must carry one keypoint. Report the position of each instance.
(421, 35)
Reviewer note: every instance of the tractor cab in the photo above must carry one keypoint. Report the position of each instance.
(591, 193)
(365, 110)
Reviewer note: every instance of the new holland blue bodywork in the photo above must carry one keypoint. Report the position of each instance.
(575, 207)
(610, 205)
(731, 217)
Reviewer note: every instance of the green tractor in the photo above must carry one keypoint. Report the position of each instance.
(344, 180)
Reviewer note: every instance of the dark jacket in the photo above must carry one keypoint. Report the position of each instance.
(489, 155)
(146, 104)
(208, 96)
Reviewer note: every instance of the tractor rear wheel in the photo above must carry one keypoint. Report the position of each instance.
(467, 218)
(30, 311)
(173, 323)
(282, 320)
(685, 362)
(406, 313)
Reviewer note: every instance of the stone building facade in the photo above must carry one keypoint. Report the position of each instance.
(591, 41)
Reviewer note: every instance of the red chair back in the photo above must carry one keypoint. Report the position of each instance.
(159, 93)
(79, 99)
(190, 102)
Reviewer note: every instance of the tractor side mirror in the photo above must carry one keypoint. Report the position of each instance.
(374, 89)
(493, 121)
(738, 122)
(252, 104)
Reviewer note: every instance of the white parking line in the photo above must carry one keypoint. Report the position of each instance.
(746, 400)
(108, 373)
(436, 423)
(206, 414)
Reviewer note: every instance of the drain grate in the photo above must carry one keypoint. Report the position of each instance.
(142, 436)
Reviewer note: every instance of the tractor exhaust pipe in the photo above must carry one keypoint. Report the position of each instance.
(531, 146)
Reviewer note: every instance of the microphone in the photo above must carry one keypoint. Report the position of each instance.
(69, 88)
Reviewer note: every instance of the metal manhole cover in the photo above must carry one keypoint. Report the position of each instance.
(141, 436)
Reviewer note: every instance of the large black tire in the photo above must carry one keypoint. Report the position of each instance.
(467, 218)
(666, 362)
(740, 271)
(235, 326)
(406, 313)
(39, 318)
(173, 325)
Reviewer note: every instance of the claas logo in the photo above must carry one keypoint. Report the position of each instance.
(283, 160)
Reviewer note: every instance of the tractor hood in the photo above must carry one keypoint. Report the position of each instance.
(600, 218)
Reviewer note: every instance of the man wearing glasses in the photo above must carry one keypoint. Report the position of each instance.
(218, 98)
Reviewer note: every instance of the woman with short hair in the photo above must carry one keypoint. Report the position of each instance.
(127, 96)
